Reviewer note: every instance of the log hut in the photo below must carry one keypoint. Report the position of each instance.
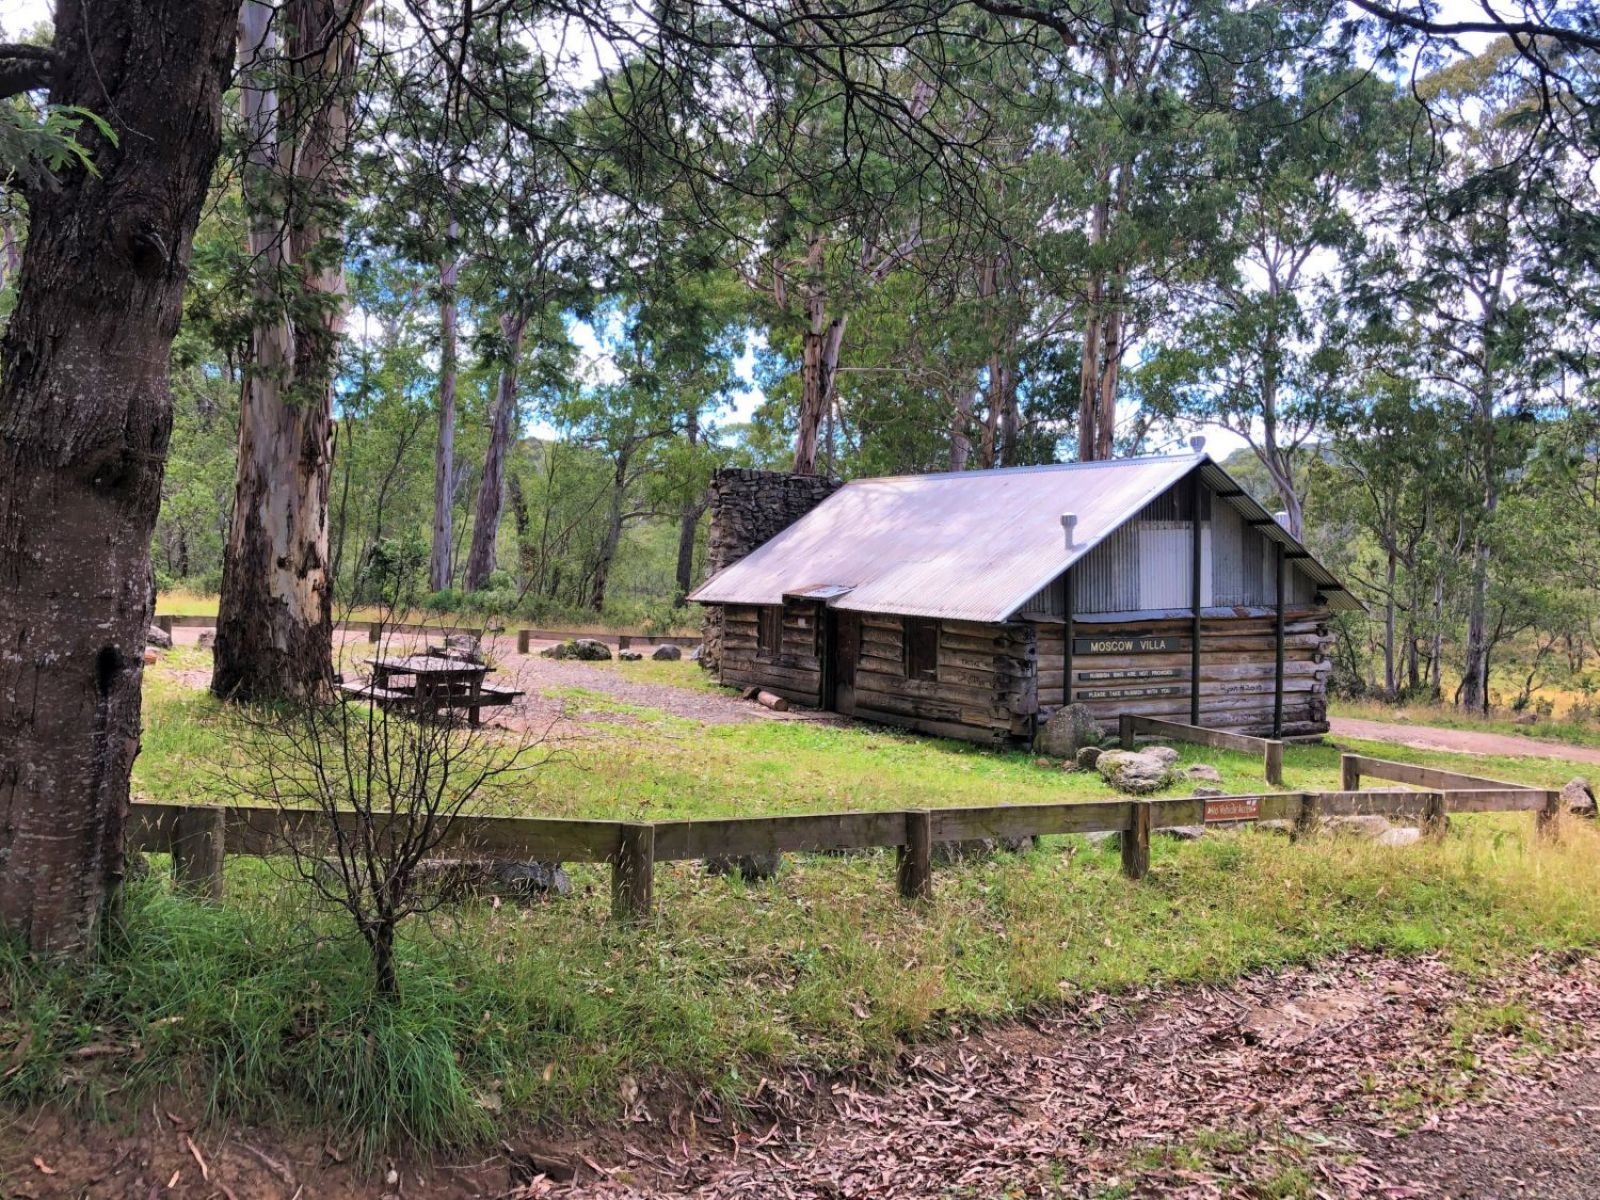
(974, 604)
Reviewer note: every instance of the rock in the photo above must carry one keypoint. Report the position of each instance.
(1578, 798)
(1205, 792)
(1069, 729)
(666, 654)
(463, 647)
(1088, 756)
(533, 878)
(207, 639)
(1165, 755)
(629, 655)
(1286, 828)
(149, 658)
(749, 867)
(696, 654)
(583, 649)
(1525, 718)
(1183, 833)
(1368, 825)
(1133, 772)
(1203, 771)
(946, 853)
(1399, 835)
(158, 637)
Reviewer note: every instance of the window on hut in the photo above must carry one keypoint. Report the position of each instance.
(769, 631)
(922, 648)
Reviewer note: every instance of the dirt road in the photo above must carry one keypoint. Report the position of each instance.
(1462, 741)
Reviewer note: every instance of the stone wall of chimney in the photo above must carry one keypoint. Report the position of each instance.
(749, 508)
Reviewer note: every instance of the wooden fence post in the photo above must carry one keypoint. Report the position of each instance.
(1136, 841)
(914, 860)
(165, 625)
(1273, 763)
(1125, 731)
(1434, 822)
(197, 850)
(1349, 773)
(624, 642)
(1546, 822)
(633, 873)
(1306, 823)
(522, 641)
(374, 631)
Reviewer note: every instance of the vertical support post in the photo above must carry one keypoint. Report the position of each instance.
(522, 641)
(633, 873)
(624, 642)
(1068, 632)
(1349, 773)
(1125, 731)
(1306, 822)
(1273, 765)
(1136, 841)
(374, 631)
(1195, 493)
(914, 861)
(1434, 822)
(197, 851)
(1277, 652)
(165, 625)
(1546, 822)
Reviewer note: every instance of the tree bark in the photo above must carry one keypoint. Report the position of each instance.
(275, 617)
(612, 538)
(960, 419)
(444, 456)
(85, 416)
(486, 528)
(688, 519)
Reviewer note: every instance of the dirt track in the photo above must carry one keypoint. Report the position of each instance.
(1462, 741)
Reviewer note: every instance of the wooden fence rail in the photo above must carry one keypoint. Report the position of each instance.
(376, 629)
(1270, 749)
(198, 836)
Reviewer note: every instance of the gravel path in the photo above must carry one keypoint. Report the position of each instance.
(1462, 741)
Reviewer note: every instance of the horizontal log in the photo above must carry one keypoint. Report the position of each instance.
(1028, 820)
(1179, 731)
(1362, 804)
(731, 836)
(1354, 766)
(950, 729)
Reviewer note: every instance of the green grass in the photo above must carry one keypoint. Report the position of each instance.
(261, 1007)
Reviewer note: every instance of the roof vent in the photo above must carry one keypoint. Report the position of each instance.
(1069, 523)
(1197, 442)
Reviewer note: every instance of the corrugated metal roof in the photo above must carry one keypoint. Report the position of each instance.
(968, 545)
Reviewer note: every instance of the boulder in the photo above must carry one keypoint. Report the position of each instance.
(695, 654)
(1203, 771)
(1133, 772)
(1525, 718)
(1286, 828)
(1368, 825)
(1087, 757)
(532, 878)
(666, 654)
(1578, 798)
(629, 655)
(158, 637)
(1399, 835)
(207, 639)
(1207, 793)
(749, 867)
(150, 657)
(1069, 729)
(1183, 833)
(583, 649)
(1165, 755)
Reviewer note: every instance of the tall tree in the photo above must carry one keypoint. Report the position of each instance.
(275, 616)
(85, 416)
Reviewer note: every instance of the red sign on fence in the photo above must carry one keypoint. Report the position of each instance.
(1231, 808)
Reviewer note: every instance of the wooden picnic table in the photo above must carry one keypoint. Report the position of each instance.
(435, 683)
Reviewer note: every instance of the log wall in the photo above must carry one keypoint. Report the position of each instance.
(1236, 672)
(985, 687)
(794, 672)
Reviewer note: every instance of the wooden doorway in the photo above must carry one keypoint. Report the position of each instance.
(844, 650)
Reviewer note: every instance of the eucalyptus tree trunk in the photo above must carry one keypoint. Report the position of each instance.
(275, 618)
(444, 455)
(612, 538)
(960, 419)
(688, 518)
(486, 528)
(85, 416)
(819, 360)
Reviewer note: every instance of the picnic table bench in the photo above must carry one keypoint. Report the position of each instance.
(435, 683)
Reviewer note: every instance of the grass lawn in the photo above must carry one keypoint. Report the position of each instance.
(261, 1007)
